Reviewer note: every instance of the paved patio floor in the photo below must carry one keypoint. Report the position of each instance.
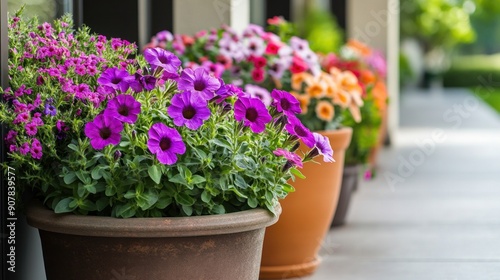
(438, 216)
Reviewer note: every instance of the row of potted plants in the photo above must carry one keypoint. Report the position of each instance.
(151, 164)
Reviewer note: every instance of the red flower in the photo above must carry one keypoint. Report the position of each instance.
(259, 61)
(272, 48)
(298, 65)
(258, 75)
(224, 60)
(276, 20)
(187, 40)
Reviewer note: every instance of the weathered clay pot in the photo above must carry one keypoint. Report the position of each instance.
(224, 246)
(291, 246)
(350, 180)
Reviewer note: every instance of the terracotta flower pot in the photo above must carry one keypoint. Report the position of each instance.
(350, 180)
(291, 246)
(224, 246)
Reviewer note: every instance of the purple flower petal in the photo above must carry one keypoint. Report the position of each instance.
(295, 127)
(252, 112)
(165, 143)
(124, 108)
(103, 131)
(190, 109)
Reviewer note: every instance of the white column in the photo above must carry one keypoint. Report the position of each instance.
(191, 16)
(376, 23)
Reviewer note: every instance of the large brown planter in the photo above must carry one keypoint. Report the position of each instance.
(350, 181)
(291, 246)
(224, 246)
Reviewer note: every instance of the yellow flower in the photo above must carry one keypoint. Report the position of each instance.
(325, 111)
(303, 101)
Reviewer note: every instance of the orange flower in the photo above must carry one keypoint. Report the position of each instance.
(325, 111)
(367, 77)
(379, 92)
(299, 79)
(356, 114)
(303, 100)
(342, 98)
(316, 90)
(359, 47)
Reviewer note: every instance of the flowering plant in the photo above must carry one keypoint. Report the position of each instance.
(142, 137)
(260, 61)
(369, 68)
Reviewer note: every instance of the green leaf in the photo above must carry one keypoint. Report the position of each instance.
(96, 173)
(288, 188)
(237, 192)
(205, 196)
(240, 182)
(188, 210)
(177, 178)
(184, 199)
(73, 147)
(219, 209)
(125, 211)
(155, 173)
(88, 205)
(297, 173)
(69, 178)
(146, 200)
(80, 190)
(197, 179)
(102, 203)
(63, 205)
(221, 143)
(90, 188)
(252, 202)
(83, 177)
(130, 194)
(163, 202)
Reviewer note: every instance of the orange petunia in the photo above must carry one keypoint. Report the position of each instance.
(367, 77)
(316, 90)
(303, 99)
(361, 48)
(342, 98)
(325, 111)
(299, 79)
(379, 92)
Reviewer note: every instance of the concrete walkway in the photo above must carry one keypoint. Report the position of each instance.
(432, 212)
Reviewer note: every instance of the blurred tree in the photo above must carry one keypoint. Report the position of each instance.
(45, 10)
(437, 23)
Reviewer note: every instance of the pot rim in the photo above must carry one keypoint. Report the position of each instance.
(45, 219)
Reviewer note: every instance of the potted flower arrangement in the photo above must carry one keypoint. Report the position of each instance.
(369, 68)
(143, 168)
(259, 60)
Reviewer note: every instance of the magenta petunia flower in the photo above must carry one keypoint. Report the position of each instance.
(285, 102)
(124, 108)
(104, 130)
(199, 80)
(324, 147)
(36, 149)
(24, 149)
(190, 109)
(114, 79)
(252, 112)
(31, 129)
(291, 157)
(165, 143)
(160, 58)
(295, 127)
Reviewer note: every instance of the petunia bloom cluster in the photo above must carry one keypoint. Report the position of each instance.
(145, 137)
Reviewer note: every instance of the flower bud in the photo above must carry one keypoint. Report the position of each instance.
(295, 147)
(287, 166)
(312, 154)
(134, 134)
(118, 155)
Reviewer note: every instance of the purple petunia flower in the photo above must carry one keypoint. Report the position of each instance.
(36, 149)
(31, 129)
(165, 143)
(190, 109)
(253, 113)
(114, 79)
(324, 147)
(24, 149)
(199, 80)
(50, 109)
(285, 102)
(104, 130)
(160, 58)
(124, 108)
(11, 136)
(148, 82)
(291, 157)
(260, 93)
(295, 127)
